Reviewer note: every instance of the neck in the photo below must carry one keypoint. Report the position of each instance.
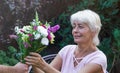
(85, 49)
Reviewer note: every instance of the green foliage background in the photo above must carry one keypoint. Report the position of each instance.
(8, 57)
(109, 11)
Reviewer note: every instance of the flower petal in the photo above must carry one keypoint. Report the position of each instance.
(42, 30)
(54, 28)
(44, 41)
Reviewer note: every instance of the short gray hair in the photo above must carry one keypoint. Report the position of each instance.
(91, 18)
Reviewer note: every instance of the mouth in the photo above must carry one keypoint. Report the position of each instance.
(76, 37)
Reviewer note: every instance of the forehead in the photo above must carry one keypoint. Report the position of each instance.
(78, 23)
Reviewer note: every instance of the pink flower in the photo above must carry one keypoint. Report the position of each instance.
(26, 45)
(13, 36)
(49, 36)
(35, 27)
(43, 25)
(29, 35)
(22, 31)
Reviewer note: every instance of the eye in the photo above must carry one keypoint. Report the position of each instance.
(81, 26)
(73, 26)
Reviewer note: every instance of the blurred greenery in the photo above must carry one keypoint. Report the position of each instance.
(116, 43)
(8, 57)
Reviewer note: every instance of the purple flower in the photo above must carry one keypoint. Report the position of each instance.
(22, 30)
(31, 39)
(29, 35)
(26, 45)
(43, 25)
(35, 27)
(54, 28)
(49, 36)
(13, 36)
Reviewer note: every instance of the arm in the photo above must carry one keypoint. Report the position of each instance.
(96, 64)
(57, 62)
(7, 69)
(37, 70)
(18, 68)
(91, 68)
(46, 69)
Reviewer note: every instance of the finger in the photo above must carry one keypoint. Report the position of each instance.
(33, 60)
(30, 59)
(35, 54)
(30, 63)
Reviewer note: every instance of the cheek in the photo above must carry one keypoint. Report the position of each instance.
(89, 35)
(86, 32)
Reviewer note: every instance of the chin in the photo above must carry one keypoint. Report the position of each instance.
(78, 41)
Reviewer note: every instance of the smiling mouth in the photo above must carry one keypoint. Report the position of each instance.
(76, 37)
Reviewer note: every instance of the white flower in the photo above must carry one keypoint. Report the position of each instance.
(37, 36)
(42, 30)
(45, 41)
(27, 29)
(17, 30)
(33, 23)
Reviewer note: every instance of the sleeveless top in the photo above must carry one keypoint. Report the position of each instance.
(67, 54)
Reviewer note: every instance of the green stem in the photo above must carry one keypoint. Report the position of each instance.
(40, 49)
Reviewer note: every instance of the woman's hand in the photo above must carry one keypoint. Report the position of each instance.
(35, 60)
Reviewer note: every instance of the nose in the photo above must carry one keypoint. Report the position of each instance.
(75, 29)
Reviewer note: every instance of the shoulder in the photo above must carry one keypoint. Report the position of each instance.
(66, 50)
(68, 47)
(99, 58)
(100, 54)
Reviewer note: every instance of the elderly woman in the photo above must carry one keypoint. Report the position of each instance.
(84, 57)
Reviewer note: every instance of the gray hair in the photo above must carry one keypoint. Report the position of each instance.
(92, 19)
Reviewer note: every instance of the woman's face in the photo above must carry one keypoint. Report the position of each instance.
(82, 33)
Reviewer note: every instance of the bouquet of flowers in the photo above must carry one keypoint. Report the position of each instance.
(34, 37)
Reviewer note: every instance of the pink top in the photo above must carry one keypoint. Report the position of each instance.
(67, 54)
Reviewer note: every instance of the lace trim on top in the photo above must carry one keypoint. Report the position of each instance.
(77, 60)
